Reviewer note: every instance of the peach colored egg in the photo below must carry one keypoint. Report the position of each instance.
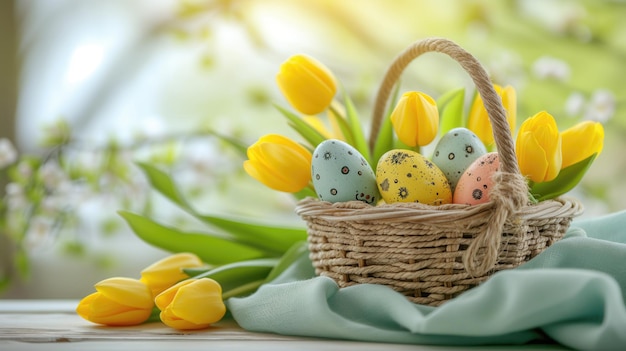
(476, 182)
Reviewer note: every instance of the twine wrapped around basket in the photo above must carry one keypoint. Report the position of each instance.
(433, 253)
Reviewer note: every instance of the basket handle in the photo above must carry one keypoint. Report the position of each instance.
(510, 191)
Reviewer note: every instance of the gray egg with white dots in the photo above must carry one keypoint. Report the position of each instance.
(340, 173)
(455, 151)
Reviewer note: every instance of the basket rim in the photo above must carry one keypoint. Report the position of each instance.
(359, 211)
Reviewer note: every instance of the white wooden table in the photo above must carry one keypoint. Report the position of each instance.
(54, 325)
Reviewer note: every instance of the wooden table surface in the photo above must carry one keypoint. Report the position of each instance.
(53, 325)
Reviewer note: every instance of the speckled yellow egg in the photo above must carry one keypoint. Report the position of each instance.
(407, 176)
(476, 182)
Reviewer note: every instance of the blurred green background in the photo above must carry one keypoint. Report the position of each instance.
(88, 87)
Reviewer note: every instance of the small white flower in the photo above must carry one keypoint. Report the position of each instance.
(547, 67)
(16, 198)
(8, 153)
(601, 106)
(575, 104)
(40, 229)
(507, 66)
(52, 174)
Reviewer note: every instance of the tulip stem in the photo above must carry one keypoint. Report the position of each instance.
(242, 289)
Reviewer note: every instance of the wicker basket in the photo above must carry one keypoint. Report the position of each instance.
(433, 253)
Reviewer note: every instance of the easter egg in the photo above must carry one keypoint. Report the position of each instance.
(340, 173)
(455, 151)
(476, 182)
(407, 176)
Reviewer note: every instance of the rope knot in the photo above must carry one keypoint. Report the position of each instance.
(508, 196)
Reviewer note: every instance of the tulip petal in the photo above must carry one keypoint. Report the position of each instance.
(172, 321)
(200, 302)
(404, 122)
(168, 271)
(101, 306)
(307, 84)
(84, 306)
(415, 119)
(192, 304)
(478, 119)
(166, 297)
(318, 69)
(531, 157)
(429, 123)
(126, 291)
(279, 163)
(509, 102)
(97, 308)
(581, 141)
(279, 168)
(131, 317)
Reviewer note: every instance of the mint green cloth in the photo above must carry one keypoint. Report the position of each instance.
(573, 293)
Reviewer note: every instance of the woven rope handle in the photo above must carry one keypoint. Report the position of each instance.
(491, 100)
(510, 190)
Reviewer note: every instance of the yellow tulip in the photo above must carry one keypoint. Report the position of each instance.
(308, 85)
(415, 119)
(280, 163)
(478, 120)
(118, 301)
(538, 148)
(581, 141)
(191, 304)
(168, 271)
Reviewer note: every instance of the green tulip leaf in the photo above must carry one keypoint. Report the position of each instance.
(343, 126)
(243, 290)
(385, 139)
(360, 143)
(567, 179)
(233, 275)
(451, 110)
(210, 248)
(155, 316)
(304, 193)
(274, 239)
(293, 254)
(235, 143)
(163, 183)
(310, 134)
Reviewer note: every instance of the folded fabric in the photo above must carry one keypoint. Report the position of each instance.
(573, 293)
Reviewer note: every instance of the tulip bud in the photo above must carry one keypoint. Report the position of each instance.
(308, 85)
(191, 304)
(538, 148)
(581, 141)
(280, 163)
(118, 301)
(478, 119)
(168, 271)
(415, 119)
